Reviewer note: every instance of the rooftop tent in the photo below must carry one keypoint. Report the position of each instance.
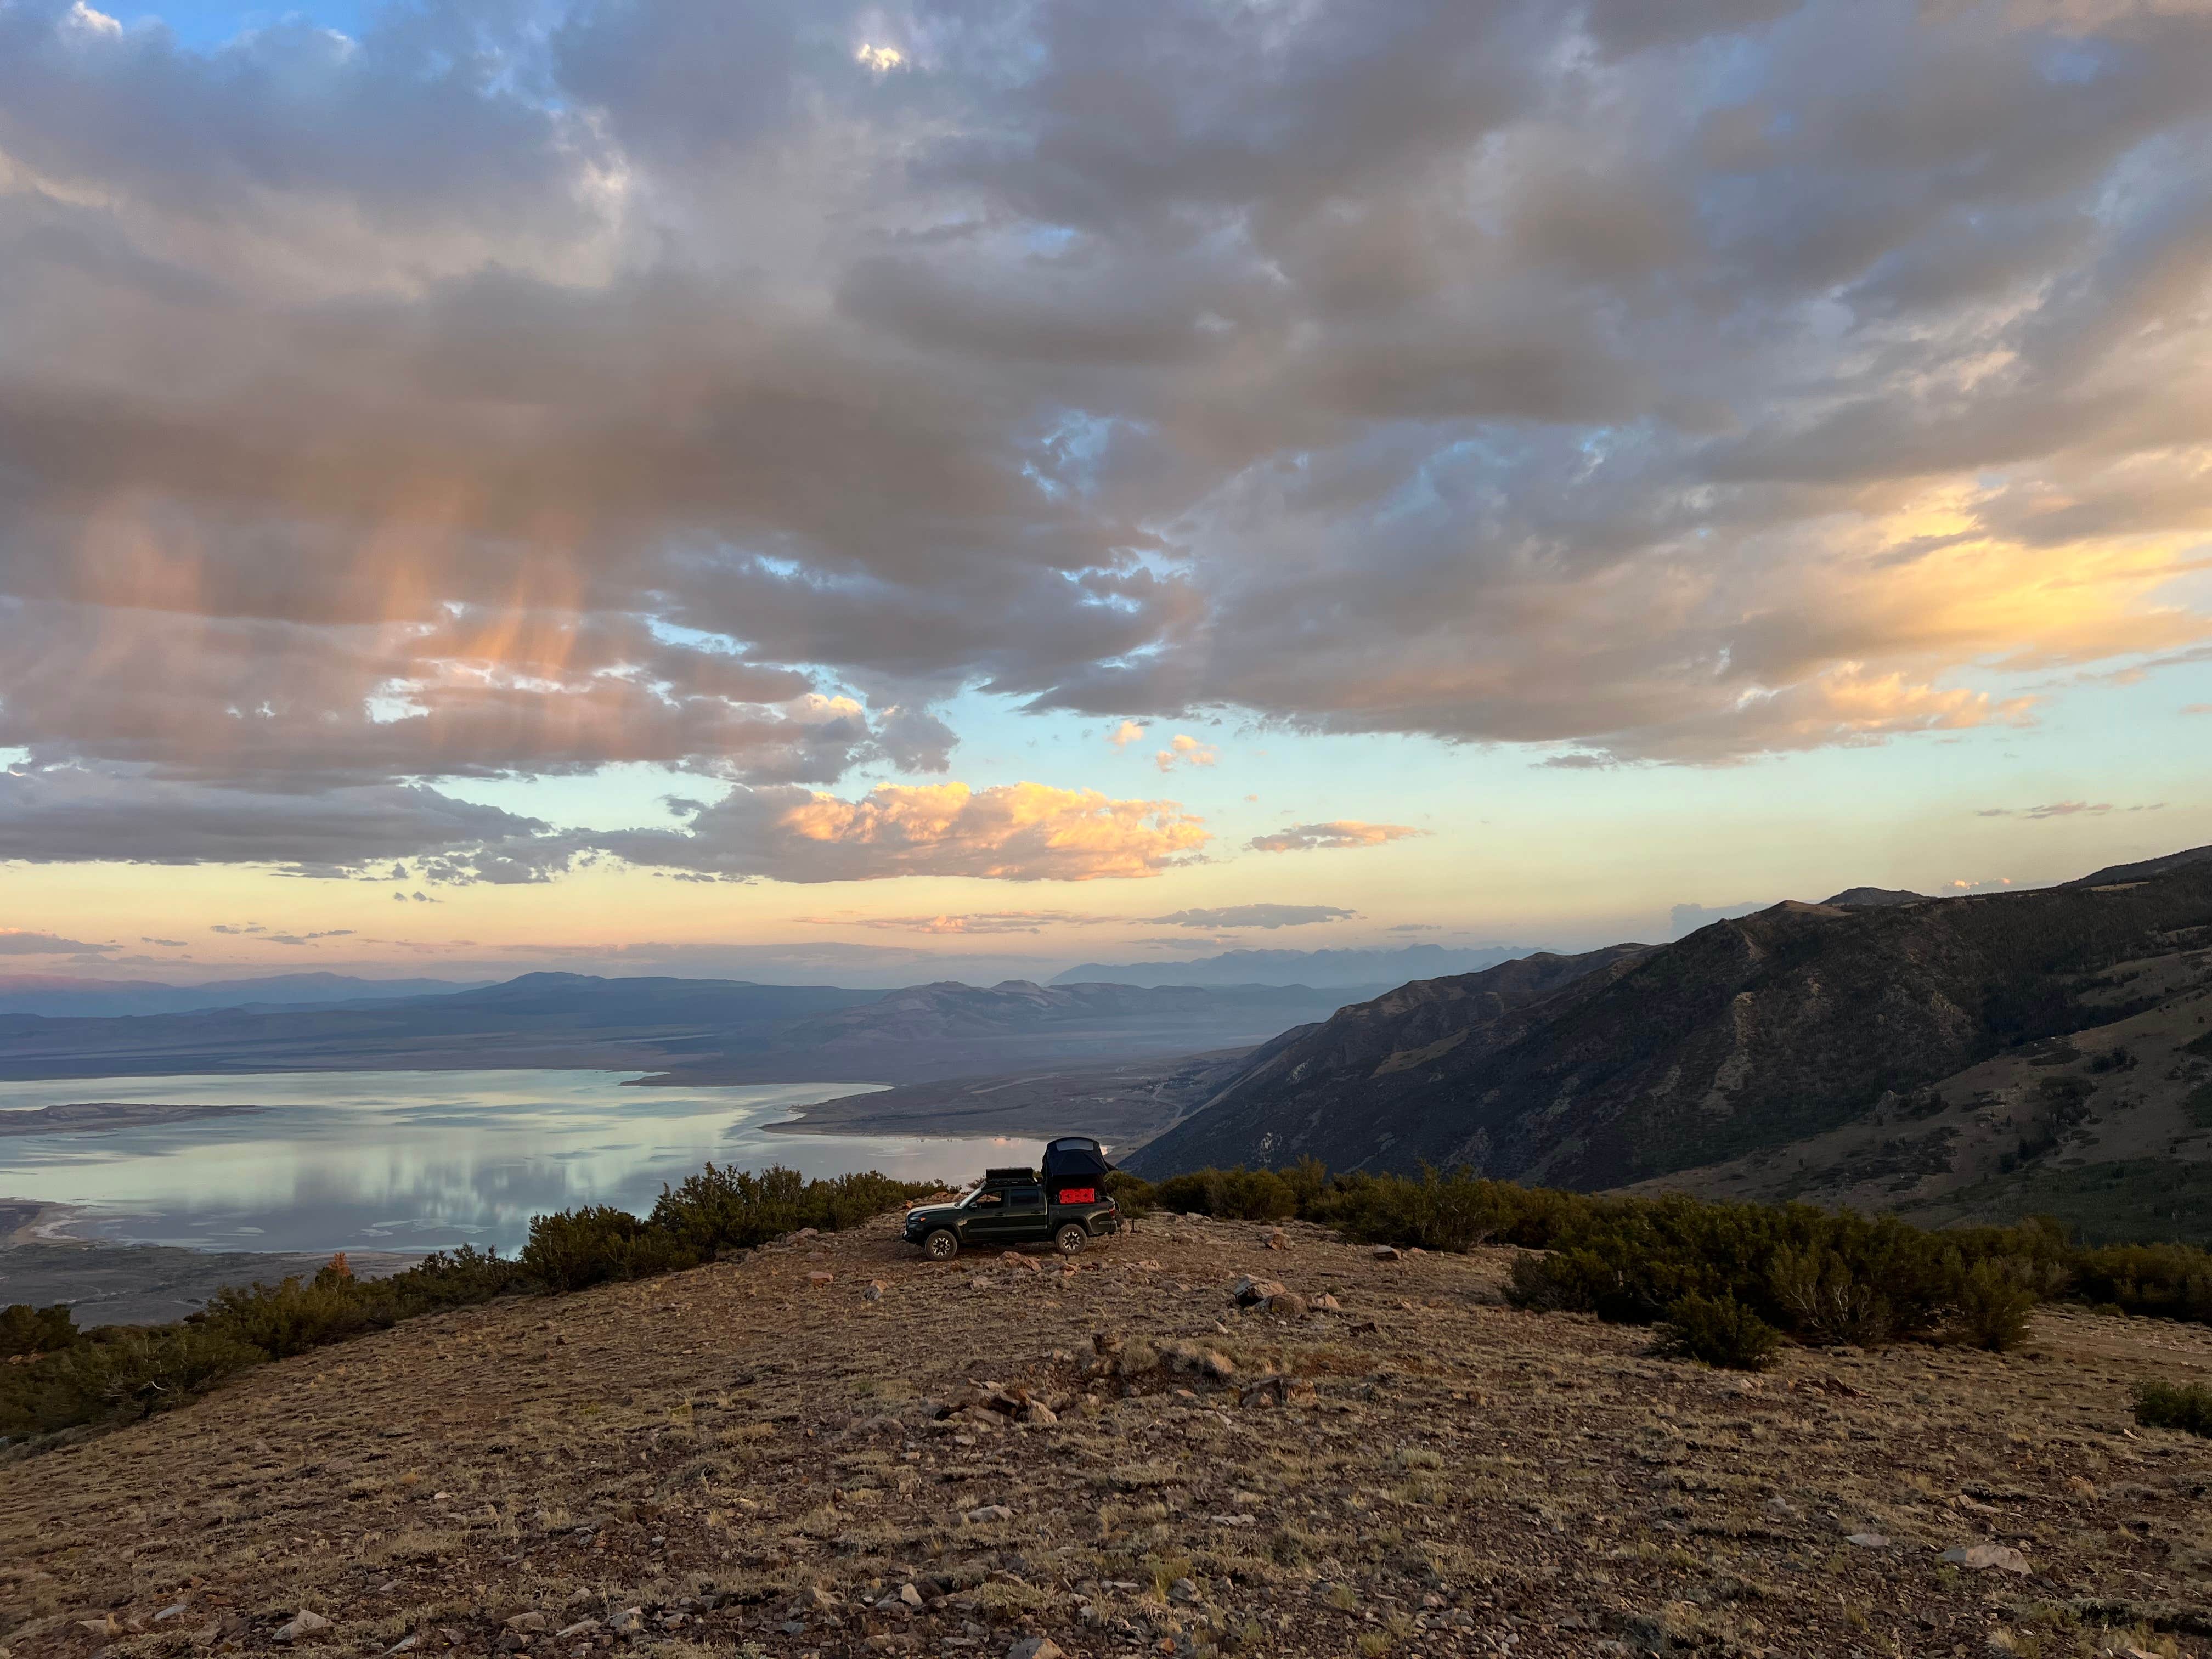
(1074, 1160)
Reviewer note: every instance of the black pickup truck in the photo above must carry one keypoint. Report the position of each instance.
(1067, 1204)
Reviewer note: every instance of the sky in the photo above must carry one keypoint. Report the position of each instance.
(869, 493)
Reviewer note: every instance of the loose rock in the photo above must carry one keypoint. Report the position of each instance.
(1035, 1647)
(1250, 1292)
(303, 1626)
(1983, 1557)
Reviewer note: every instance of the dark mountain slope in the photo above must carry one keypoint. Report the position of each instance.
(1343, 970)
(1389, 1041)
(2147, 868)
(1748, 1034)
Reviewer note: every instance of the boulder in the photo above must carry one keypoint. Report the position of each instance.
(1867, 1541)
(987, 1513)
(1287, 1304)
(820, 1277)
(1250, 1292)
(628, 1622)
(1035, 1647)
(528, 1623)
(1278, 1240)
(874, 1292)
(1385, 1252)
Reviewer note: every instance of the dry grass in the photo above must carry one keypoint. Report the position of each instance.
(716, 1448)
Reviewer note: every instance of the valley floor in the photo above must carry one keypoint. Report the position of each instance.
(750, 1458)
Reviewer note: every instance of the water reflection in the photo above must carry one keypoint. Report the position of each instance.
(418, 1160)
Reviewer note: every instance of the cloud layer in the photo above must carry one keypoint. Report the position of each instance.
(1014, 832)
(1341, 832)
(727, 387)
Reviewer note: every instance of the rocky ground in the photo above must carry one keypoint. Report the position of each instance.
(832, 1448)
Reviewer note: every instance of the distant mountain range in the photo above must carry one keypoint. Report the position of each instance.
(62, 997)
(691, 1031)
(1370, 970)
(1973, 1057)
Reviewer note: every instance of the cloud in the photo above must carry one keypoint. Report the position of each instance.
(1341, 832)
(1010, 832)
(734, 391)
(1126, 733)
(1413, 927)
(978, 921)
(1185, 751)
(21, 942)
(1252, 915)
(2066, 809)
(68, 813)
(2197, 708)
(169, 944)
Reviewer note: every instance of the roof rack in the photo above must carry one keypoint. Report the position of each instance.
(1010, 1175)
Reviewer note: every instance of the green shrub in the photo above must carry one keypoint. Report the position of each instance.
(1237, 1194)
(2168, 1281)
(120, 1374)
(1826, 1300)
(299, 1314)
(1134, 1194)
(721, 1209)
(1718, 1331)
(573, 1250)
(2168, 1406)
(1995, 1297)
(27, 1330)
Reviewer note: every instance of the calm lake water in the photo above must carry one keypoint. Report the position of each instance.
(420, 1160)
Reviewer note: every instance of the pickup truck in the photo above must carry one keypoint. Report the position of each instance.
(1068, 1205)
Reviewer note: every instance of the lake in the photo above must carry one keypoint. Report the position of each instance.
(421, 1160)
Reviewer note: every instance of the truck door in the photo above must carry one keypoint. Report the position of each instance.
(1024, 1220)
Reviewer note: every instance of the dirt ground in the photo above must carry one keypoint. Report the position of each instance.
(750, 1459)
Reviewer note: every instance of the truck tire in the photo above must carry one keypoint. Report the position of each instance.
(1070, 1239)
(942, 1245)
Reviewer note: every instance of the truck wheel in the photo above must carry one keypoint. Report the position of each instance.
(942, 1245)
(1070, 1239)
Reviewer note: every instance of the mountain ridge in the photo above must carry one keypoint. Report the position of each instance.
(1374, 970)
(1748, 1035)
